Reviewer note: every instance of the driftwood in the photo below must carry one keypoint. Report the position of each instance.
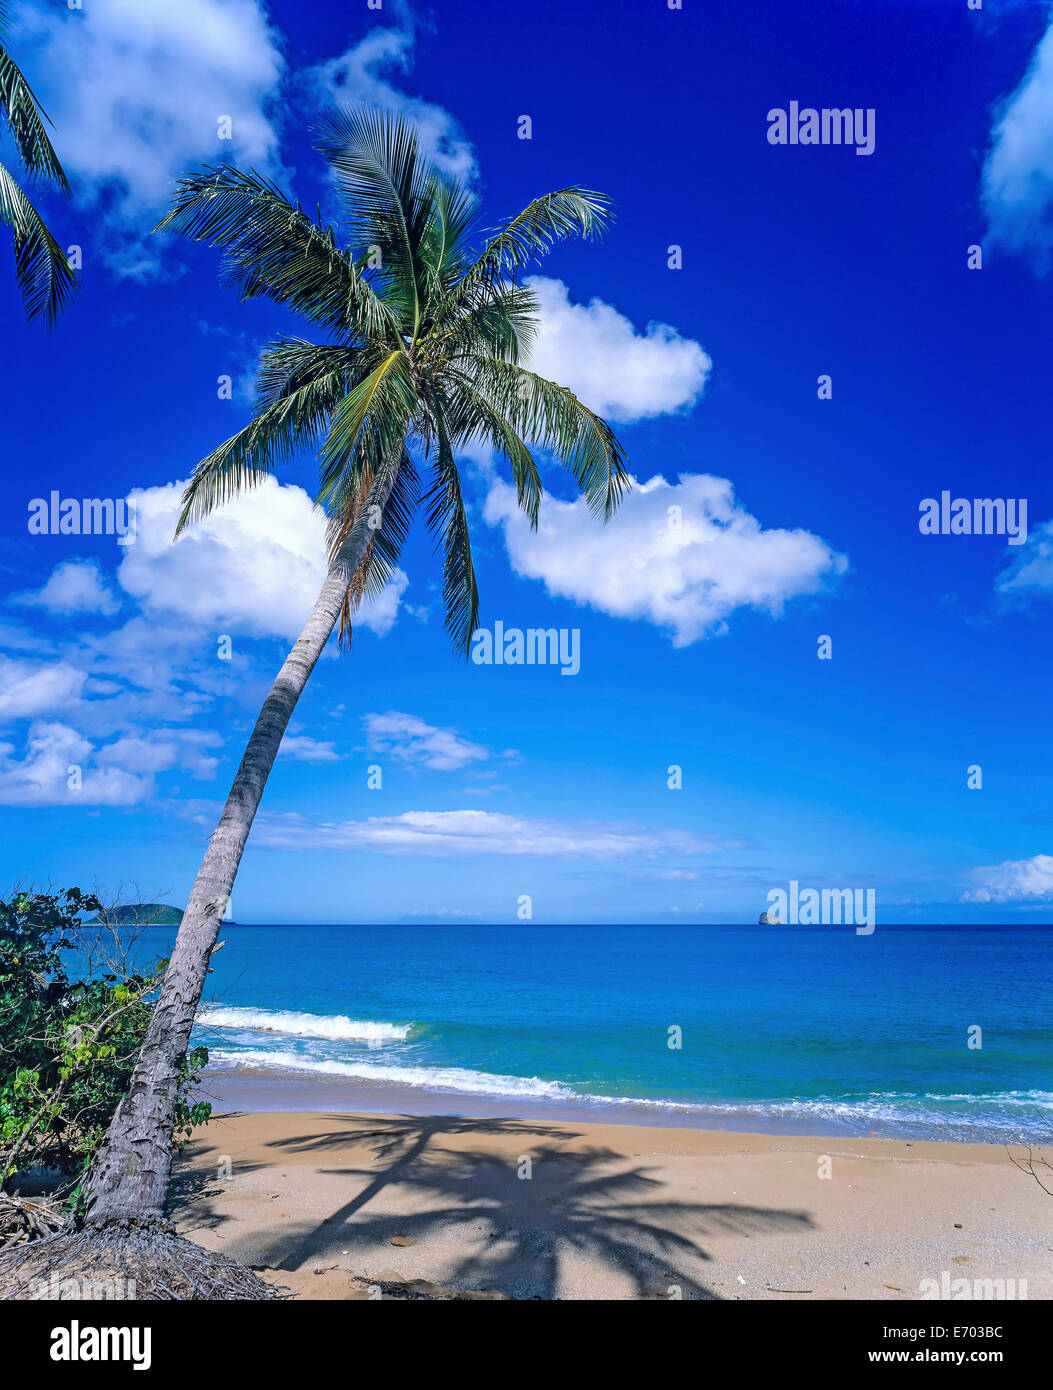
(22, 1220)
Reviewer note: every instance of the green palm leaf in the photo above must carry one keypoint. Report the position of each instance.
(552, 416)
(294, 410)
(388, 195)
(428, 339)
(448, 519)
(558, 216)
(273, 249)
(27, 123)
(45, 278)
(42, 268)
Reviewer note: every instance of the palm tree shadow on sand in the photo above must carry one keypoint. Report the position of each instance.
(517, 1234)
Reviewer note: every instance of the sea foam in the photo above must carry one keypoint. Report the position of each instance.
(300, 1025)
(431, 1078)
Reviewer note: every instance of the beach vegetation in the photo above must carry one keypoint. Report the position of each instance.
(74, 1011)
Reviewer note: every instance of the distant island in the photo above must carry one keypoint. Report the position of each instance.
(139, 915)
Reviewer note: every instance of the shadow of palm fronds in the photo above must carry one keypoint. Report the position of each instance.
(513, 1225)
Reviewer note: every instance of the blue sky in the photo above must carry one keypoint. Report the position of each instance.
(698, 646)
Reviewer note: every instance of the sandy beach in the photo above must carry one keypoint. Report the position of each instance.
(339, 1206)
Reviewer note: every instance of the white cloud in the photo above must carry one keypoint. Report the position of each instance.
(303, 749)
(255, 566)
(1031, 569)
(136, 89)
(28, 688)
(1015, 880)
(116, 774)
(685, 578)
(1018, 173)
(42, 777)
(621, 374)
(127, 694)
(410, 740)
(360, 76)
(20, 639)
(162, 749)
(442, 833)
(75, 586)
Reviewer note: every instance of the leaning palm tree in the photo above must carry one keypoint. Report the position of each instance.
(45, 278)
(425, 341)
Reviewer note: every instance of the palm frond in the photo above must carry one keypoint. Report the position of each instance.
(27, 123)
(555, 217)
(388, 194)
(272, 249)
(502, 322)
(42, 268)
(288, 364)
(389, 535)
(295, 418)
(471, 417)
(448, 519)
(552, 416)
(445, 245)
(379, 408)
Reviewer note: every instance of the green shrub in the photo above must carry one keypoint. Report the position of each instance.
(73, 1016)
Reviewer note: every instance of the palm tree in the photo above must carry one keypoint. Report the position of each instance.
(423, 357)
(45, 277)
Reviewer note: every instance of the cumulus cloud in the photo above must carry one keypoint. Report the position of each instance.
(29, 688)
(75, 586)
(361, 76)
(1018, 172)
(126, 694)
(61, 767)
(254, 566)
(137, 88)
(442, 833)
(303, 749)
(1013, 881)
(1031, 569)
(410, 740)
(56, 770)
(621, 374)
(161, 750)
(684, 571)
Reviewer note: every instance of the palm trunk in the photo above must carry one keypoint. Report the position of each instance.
(130, 1173)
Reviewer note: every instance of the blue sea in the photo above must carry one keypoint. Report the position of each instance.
(812, 1031)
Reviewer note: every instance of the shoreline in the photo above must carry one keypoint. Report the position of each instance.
(261, 1090)
(354, 1205)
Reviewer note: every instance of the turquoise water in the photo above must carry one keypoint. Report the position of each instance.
(814, 1030)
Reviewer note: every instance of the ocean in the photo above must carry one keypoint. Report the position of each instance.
(925, 1033)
